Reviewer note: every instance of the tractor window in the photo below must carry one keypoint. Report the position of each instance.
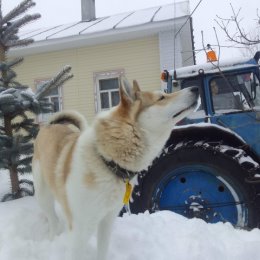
(230, 93)
(252, 86)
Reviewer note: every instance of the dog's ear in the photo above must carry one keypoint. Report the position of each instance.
(130, 101)
(128, 94)
(136, 87)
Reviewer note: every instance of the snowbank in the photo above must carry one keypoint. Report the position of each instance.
(160, 236)
(5, 185)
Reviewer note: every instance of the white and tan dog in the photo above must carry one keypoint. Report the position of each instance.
(72, 161)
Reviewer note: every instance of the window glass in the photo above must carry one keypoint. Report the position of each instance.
(107, 84)
(232, 92)
(115, 98)
(252, 86)
(108, 93)
(104, 98)
(257, 92)
(54, 91)
(53, 96)
(107, 89)
(56, 103)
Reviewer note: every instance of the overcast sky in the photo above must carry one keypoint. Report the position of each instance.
(55, 12)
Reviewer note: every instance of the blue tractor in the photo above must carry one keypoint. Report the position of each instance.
(209, 168)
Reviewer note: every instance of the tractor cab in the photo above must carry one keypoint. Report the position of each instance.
(225, 87)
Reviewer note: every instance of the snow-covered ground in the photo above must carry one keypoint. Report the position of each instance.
(5, 185)
(159, 236)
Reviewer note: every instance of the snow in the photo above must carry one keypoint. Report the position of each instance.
(167, 11)
(210, 125)
(213, 67)
(108, 24)
(4, 184)
(46, 33)
(160, 236)
(73, 30)
(139, 17)
(118, 21)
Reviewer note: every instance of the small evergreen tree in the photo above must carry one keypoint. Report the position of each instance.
(18, 103)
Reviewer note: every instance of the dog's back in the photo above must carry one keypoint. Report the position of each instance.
(53, 144)
(53, 150)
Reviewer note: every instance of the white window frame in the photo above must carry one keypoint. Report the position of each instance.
(42, 118)
(102, 76)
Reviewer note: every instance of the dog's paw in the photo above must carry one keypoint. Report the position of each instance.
(55, 231)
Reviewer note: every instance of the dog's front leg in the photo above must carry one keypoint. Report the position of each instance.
(78, 239)
(103, 235)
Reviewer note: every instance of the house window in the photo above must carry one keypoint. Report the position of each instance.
(53, 96)
(107, 89)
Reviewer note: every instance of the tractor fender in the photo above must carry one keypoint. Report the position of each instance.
(210, 133)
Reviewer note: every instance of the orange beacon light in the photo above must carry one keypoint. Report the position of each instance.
(211, 55)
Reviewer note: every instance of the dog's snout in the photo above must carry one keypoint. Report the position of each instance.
(195, 90)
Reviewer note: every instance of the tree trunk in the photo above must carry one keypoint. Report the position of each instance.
(14, 180)
(12, 169)
(2, 53)
(2, 59)
(8, 130)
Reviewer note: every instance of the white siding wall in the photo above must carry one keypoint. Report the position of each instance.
(182, 51)
(187, 45)
(167, 51)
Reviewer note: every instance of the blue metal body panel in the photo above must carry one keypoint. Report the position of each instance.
(245, 124)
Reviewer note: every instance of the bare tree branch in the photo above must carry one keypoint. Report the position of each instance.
(239, 36)
(219, 49)
(217, 65)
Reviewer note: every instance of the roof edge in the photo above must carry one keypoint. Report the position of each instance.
(103, 37)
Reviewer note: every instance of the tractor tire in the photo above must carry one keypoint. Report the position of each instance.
(201, 181)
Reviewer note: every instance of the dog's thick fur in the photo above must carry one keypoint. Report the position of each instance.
(69, 160)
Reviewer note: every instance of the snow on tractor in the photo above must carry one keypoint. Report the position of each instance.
(209, 168)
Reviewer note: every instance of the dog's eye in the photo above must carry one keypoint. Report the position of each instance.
(161, 98)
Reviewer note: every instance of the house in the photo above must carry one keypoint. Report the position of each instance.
(138, 45)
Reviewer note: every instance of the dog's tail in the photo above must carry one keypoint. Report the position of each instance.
(69, 117)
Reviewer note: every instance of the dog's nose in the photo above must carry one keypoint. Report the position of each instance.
(195, 90)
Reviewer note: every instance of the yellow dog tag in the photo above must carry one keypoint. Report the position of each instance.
(128, 191)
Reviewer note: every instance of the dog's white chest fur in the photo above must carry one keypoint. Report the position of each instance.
(95, 184)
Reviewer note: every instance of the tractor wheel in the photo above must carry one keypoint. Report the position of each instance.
(200, 182)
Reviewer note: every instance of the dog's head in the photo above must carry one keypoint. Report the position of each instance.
(154, 109)
(134, 132)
